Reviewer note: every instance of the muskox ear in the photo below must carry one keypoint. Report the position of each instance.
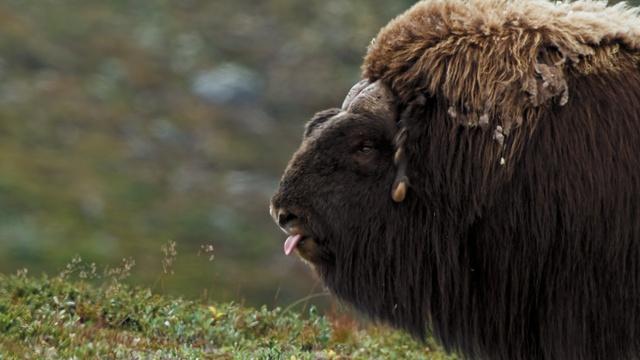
(318, 119)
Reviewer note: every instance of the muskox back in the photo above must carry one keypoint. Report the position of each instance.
(519, 236)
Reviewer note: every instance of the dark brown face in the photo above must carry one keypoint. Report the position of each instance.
(342, 172)
(342, 203)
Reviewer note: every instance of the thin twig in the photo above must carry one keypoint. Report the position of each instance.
(306, 298)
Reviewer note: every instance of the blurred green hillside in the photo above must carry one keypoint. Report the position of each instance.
(130, 126)
(127, 125)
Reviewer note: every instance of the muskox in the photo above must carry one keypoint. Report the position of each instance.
(481, 184)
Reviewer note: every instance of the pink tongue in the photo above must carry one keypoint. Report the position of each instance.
(291, 243)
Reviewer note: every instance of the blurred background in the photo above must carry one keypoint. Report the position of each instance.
(156, 131)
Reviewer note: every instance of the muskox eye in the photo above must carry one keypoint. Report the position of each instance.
(365, 148)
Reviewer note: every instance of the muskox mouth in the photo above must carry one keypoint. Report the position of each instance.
(292, 242)
(300, 242)
(290, 224)
(295, 239)
(299, 239)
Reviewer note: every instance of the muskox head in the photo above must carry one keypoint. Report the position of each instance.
(343, 202)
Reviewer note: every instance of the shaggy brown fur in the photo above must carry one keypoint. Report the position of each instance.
(519, 128)
(497, 59)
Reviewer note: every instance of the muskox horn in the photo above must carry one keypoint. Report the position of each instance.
(373, 98)
(355, 90)
(400, 184)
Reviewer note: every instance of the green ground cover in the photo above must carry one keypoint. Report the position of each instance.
(58, 318)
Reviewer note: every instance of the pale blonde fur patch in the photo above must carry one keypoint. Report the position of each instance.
(493, 60)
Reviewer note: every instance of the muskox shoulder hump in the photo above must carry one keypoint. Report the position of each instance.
(497, 59)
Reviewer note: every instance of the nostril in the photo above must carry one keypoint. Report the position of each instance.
(285, 217)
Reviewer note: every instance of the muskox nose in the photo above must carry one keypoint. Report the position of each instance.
(282, 216)
(285, 218)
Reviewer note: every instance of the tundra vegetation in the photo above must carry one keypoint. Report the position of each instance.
(67, 317)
